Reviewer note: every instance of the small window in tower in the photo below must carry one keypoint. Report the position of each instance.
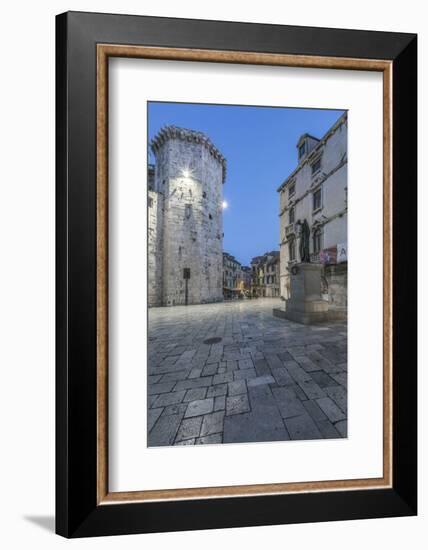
(291, 190)
(210, 217)
(188, 211)
(204, 195)
(291, 216)
(302, 150)
(150, 202)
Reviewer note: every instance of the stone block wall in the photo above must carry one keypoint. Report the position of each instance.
(189, 174)
(337, 281)
(155, 247)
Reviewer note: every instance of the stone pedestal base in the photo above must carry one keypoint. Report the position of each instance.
(305, 304)
(337, 280)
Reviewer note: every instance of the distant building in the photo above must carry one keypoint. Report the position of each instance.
(246, 279)
(316, 191)
(231, 270)
(236, 278)
(265, 272)
(185, 219)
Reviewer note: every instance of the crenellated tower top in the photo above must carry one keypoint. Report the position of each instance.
(184, 134)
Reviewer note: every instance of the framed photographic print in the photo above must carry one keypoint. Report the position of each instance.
(236, 325)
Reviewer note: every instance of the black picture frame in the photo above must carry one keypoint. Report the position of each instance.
(77, 511)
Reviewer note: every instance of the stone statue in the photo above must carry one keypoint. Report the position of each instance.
(304, 242)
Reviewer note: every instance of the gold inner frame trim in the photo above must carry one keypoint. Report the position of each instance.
(104, 51)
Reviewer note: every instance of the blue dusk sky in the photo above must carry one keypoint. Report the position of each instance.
(259, 144)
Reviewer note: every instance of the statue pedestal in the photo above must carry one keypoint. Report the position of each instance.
(305, 304)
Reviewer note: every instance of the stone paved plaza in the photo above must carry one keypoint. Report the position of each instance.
(231, 372)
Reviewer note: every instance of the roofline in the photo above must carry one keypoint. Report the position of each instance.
(321, 142)
(186, 134)
(306, 135)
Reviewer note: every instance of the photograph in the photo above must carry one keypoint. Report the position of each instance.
(247, 273)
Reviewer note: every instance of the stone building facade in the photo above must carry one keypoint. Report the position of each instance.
(185, 220)
(236, 278)
(266, 275)
(231, 276)
(246, 279)
(316, 191)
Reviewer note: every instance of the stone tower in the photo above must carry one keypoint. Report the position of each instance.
(185, 219)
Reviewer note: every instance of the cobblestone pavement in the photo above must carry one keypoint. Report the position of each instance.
(231, 372)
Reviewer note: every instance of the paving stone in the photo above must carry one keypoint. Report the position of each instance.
(212, 423)
(169, 398)
(287, 402)
(327, 429)
(323, 379)
(261, 380)
(274, 361)
(253, 427)
(246, 374)
(164, 431)
(314, 411)
(300, 394)
(296, 372)
(302, 427)
(245, 364)
(220, 403)
(161, 387)
(213, 359)
(311, 389)
(251, 337)
(209, 439)
(237, 404)
(189, 428)
(152, 416)
(169, 360)
(284, 356)
(222, 378)
(199, 407)
(151, 399)
(195, 373)
(342, 427)
(339, 396)
(179, 408)
(194, 394)
(231, 365)
(332, 411)
(215, 391)
(210, 369)
(187, 355)
(262, 367)
(153, 378)
(195, 383)
(237, 387)
(185, 442)
(341, 378)
(177, 375)
(282, 377)
(307, 364)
